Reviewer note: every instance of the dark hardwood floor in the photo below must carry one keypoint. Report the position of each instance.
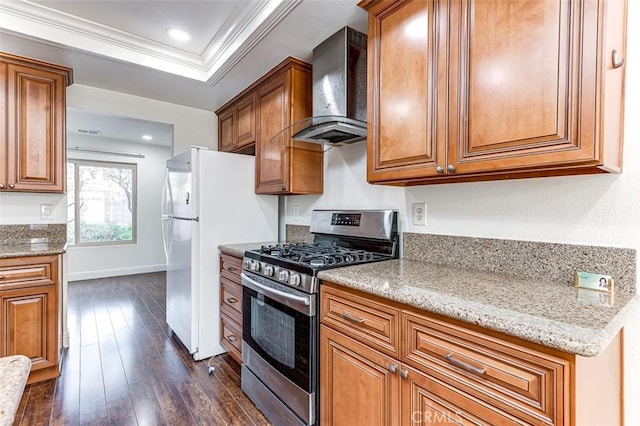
(123, 367)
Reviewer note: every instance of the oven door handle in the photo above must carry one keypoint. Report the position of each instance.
(266, 289)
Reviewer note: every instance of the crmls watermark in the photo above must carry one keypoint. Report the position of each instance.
(420, 417)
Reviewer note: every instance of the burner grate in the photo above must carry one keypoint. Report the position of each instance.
(317, 255)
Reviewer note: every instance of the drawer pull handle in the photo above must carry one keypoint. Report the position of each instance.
(231, 338)
(468, 367)
(231, 269)
(232, 300)
(392, 368)
(352, 319)
(404, 374)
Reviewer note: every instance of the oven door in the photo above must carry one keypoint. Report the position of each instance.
(279, 324)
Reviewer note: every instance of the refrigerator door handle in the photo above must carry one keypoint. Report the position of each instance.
(192, 219)
(166, 234)
(165, 194)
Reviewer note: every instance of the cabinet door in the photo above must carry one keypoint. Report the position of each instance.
(245, 121)
(29, 325)
(407, 89)
(3, 128)
(525, 84)
(36, 130)
(357, 384)
(427, 401)
(226, 140)
(272, 102)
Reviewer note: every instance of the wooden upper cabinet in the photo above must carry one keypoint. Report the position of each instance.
(245, 121)
(257, 121)
(237, 125)
(226, 141)
(285, 166)
(34, 123)
(494, 89)
(406, 89)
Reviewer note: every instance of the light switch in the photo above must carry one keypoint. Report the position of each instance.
(46, 211)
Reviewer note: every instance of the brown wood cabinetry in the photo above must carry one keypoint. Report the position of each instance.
(231, 305)
(33, 143)
(29, 312)
(441, 371)
(237, 125)
(491, 90)
(262, 114)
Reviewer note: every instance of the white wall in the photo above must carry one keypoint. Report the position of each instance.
(24, 208)
(594, 210)
(345, 186)
(147, 254)
(191, 126)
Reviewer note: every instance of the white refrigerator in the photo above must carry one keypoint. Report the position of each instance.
(208, 200)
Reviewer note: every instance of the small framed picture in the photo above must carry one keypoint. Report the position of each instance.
(593, 281)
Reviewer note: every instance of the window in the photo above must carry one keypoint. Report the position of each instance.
(101, 202)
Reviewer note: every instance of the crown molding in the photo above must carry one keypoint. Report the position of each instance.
(265, 19)
(40, 22)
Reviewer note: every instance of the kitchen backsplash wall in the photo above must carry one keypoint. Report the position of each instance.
(534, 260)
(24, 208)
(299, 234)
(345, 187)
(20, 233)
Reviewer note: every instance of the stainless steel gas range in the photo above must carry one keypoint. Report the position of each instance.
(280, 305)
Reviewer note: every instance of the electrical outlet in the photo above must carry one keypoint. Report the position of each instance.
(296, 212)
(420, 214)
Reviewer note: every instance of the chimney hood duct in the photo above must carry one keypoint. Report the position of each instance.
(339, 91)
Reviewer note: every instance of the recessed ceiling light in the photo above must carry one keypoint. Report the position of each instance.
(147, 137)
(178, 34)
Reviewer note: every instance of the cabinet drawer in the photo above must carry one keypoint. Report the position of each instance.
(429, 401)
(231, 267)
(231, 294)
(519, 381)
(375, 324)
(231, 338)
(28, 272)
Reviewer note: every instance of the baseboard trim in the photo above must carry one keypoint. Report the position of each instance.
(118, 272)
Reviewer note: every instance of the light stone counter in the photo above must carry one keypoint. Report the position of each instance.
(239, 249)
(32, 249)
(555, 315)
(32, 240)
(14, 371)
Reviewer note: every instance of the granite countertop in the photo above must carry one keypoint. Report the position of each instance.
(37, 248)
(14, 371)
(239, 249)
(552, 314)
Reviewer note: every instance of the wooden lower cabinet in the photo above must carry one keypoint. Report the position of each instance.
(29, 312)
(443, 371)
(357, 384)
(231, 305)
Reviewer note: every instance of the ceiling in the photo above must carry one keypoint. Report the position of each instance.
(91, 124)
(123, 45)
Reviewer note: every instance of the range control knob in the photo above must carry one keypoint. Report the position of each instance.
(283, 276)
(267, 270)
(295, 280)
(255, 266)
(246, 264)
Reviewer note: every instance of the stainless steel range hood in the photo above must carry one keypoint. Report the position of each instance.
(339, 91)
